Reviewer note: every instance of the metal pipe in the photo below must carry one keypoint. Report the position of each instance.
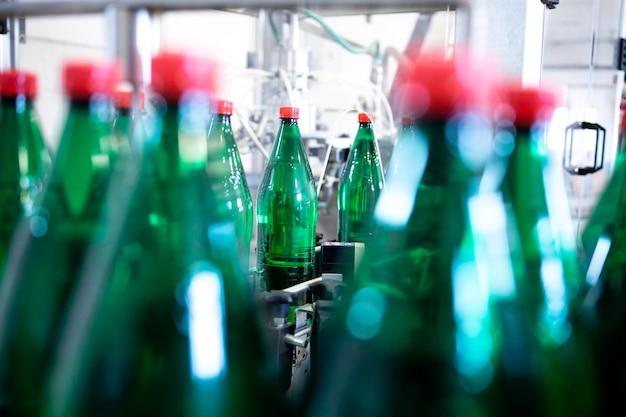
(302, 342)
(304, 286)
(14, 41)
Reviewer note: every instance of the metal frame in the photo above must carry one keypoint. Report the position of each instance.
(127, 11)
(51, 7)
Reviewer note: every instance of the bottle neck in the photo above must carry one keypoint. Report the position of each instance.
(220, 130)
(219, 123)
(19, 104)
(183, 139)
(100, 111)
(440, 158)
(124, 112)
(522, 133)
(531, 137)
(289, 121)
(365, 132)
(223, 118)
(288, 145)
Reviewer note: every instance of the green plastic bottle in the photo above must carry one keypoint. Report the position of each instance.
(286, 210)
(51, 242)
(535, 195)
(603, 302)
(360, 184)
(393, 348)
(538, 351)
(25, 158)
(226, 169)
(172, 330)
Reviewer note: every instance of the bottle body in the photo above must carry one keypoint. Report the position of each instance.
(50, 247)
(25, 165)
(361, 182)
(225, 166)
(286, 212)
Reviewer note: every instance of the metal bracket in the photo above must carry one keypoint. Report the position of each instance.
(600, 139)
(550, 4)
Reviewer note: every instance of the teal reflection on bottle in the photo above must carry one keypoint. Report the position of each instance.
(173, 329)
(25, 159)
(50, 244)
(286, 210)
(360, 184)
(407, 134)
(228, 176)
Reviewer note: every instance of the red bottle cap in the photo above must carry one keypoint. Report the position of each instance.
(175, 73)
(224, 107)
(13, 83)
(124, 98)
(407, 120)
(82, 79)
(289, 113)
(366, 118)
(529, 104)
(428, 85)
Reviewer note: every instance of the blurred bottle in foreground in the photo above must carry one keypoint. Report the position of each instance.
(172, 330)
(360, 184)
(286, 210)
(49, 245)
(603, 305)
(25, 159)
(394, 347)
(229, 178)
(533, 356)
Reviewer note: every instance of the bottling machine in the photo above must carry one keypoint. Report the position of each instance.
(287, 66)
